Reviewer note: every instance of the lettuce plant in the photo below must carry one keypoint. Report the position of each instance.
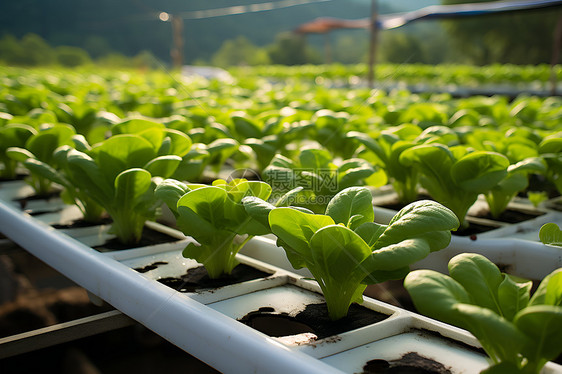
(515, 181)
(454, 177)
(318, 175)
(216, 218)
(345, 250)
(330, 130)
(118, 174)
(519, 333)
(193, 164)
(40, 147)
(63, 176)
(551, 150)
(221, 150)
(551, 234)
(266, 147)
(387, 148)
(12, 135)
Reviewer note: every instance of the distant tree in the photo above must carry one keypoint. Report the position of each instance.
(11, 51)
(400, 47)
(524, 37)
(350, 48)
(31, 50)
(239, 51)
(97, 46)
(72, 56)
(291, 49)
(145, 60)
(37, 50)
(114, 59)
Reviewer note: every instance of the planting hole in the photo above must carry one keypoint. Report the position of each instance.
(178, 284)
(24, 200)
(376, 366)
(197, 278)
(152, 266)
(274, 325)
(149, 237)
(312, 319)
(40, 212)
(473, 229)
(410, 363)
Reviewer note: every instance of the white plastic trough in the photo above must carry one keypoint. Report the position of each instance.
(204, 325)
(211, 336)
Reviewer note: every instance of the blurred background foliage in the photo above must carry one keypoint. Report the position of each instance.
(128, 33)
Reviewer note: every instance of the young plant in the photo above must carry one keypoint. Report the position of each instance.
(519, 333)
(345, 250)
(63, 176)
(454, 177)
(551, 150)
(330, 129)
(269, 134)
(40, 147)
(386, 150)
(118, 174)
(12, 135)
(216, 218)
(551, 234)
(515, 181)
(537, 197)
(319, 177)
(193, 164)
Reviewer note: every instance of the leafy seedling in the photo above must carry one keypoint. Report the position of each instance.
(387, 149)
(516, 180)
(41, 147)
(12, 135)
(121, 173)
(454, 177)
(216, 218)
(519, 333)
(318, 175)
(345, 250)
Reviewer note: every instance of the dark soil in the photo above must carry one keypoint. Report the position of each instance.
(410, 363)
(18, 177)
(313, 319)
(149, 237)
(48, 196)
(147, 268)
(39, 212)
(512, 216)
(80, 223)
(473, 229)
(197, 279)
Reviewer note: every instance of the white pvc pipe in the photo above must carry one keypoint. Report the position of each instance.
(531, 260)
(220, 341)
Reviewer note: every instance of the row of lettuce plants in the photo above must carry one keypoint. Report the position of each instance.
(406, 140)
(439, 75)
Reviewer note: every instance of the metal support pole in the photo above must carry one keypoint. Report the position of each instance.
(62, 333)
(373, 44)
(177, 50)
